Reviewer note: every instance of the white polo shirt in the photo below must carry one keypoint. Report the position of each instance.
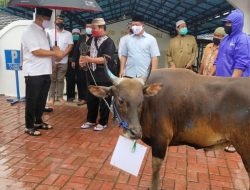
(64, 39)
(34, 38)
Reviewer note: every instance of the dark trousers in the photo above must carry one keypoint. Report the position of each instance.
(95, 104)
(37, 88)
(82, 84)
(70, 82)
(76, 77)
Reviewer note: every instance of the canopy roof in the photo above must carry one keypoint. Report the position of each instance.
(202, 16)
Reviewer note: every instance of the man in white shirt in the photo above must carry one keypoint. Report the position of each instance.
(37, 67)
(139, 51)
(64, 40)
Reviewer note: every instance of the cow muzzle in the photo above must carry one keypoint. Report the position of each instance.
(133, 134)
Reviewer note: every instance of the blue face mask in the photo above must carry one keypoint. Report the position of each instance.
(75, 37)
(183, 31)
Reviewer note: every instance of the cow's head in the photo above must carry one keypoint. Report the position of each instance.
(129, 95)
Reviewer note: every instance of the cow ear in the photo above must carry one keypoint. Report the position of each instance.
(100, 91)
(152, 89)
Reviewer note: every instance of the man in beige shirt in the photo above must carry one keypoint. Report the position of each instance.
(182, 49)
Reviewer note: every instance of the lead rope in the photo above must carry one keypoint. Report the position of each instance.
(92, 76)
(114, 111)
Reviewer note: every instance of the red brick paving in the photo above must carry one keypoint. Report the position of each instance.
(68, 158)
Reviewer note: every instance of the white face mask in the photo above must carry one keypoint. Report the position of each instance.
(46, 24)
(137, 29)
(88, 31)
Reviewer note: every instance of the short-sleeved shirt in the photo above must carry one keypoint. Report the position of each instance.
(34, 38)
(139, 51)
(105, 49)
(121, 45)
(64, 39)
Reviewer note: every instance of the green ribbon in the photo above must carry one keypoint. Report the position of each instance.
(134, 146)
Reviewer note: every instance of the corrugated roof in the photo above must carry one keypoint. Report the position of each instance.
(202, 16)
(6, 18)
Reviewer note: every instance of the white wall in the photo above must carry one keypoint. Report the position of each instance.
(10, 38)
(117, 30)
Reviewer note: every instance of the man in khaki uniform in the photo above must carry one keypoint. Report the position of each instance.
(182, 49)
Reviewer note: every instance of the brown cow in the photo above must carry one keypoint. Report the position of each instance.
(187, 109)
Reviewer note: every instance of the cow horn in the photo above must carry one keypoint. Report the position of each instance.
(114, 79)
(145, 78)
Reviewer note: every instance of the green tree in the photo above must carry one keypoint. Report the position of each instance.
(4, 3)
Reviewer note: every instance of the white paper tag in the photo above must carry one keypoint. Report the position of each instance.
(125, 158)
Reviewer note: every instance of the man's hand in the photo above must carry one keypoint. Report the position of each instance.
(188, 66)
(121, 74)
(73, 65)
(58, 53)
(83, 60)
(237, 73)
(172, 66)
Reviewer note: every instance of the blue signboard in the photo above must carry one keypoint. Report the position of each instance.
(12, 59)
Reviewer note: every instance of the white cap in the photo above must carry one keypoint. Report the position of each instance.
(98, 21)
(76, 30)
(178, 23)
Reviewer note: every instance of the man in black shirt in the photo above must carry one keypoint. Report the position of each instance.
(102, 49)
(82, 48)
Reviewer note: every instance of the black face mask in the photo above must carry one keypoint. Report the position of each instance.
(216, 41)
(228, 29)
(60, 26)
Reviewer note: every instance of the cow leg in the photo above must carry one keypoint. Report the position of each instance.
(156, 165)
(158, 154)
(242, 146)
(246, 162)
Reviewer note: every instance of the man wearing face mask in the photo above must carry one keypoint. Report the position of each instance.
(182, 50)
(102, 49)
(71, 70)
(211, 52)
(233, 59)
(64, 41)
(82, 47)
(37, 67)
(139, 50)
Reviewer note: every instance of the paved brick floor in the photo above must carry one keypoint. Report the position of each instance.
(70, 158)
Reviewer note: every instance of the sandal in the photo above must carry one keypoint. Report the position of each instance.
(48, 109)
(100, 127)
(32, 132)
(230, 149)
(44, 126)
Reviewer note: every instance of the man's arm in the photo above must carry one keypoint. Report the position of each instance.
(48, 53)
(68, 49)
(96, 60)
(154, 61)
(122, 65)
(237, 73)
(213, 71)
(194, 54)
(169, 57)
(43, 53)
(241, 56)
